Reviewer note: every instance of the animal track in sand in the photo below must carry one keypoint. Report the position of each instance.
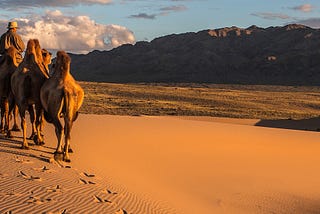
(82, 181)
(106, 191)
(57, 189)
(21, 160)
(121, 211)
(38, 200)
(11, 193)
(43, 169)
(28, 177)
(88, 175)
(100, 200)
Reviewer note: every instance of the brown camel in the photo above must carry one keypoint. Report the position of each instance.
(8, 65)
(46, 56)
(26, 82)
(61, 96)
(12, 107)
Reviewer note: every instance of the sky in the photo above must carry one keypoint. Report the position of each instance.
(86, 25)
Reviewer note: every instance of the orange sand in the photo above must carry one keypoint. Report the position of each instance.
(166, 165)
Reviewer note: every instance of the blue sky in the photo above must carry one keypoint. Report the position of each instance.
(85, 25)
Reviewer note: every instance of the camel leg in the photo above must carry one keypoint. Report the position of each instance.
(6, 114)
(15, 126)
(39, 138)
(2, 123)
(42, 123)
(7, 119)
(32, 120)
(67, 132)
(58, 155)
(70, 150)
(24, 128)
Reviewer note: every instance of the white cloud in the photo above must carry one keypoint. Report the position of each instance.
(174, 8)
(77, 34)
(19, 4)
(271, 16)
(143, 16)
(304, 8)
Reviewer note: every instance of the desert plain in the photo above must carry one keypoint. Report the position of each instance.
(156, 148)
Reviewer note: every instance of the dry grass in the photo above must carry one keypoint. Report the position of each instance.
(237, 101)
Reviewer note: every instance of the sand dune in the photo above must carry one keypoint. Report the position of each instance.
(128, 164)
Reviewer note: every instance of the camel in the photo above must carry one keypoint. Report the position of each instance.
(8, 65)
(26, 82)
(46, 55)
(12, 107)
(61, 96)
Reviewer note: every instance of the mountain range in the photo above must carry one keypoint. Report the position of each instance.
(288, 55)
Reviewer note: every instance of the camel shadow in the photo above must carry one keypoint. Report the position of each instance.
(19, 142)
(12, 146)
(311, 124)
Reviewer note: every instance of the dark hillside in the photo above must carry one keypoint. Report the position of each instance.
(288, 55)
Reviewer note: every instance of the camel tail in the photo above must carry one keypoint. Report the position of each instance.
(69, 107)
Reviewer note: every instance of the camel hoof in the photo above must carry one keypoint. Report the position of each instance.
(25, 147)
(37, 141)
(58, 156)
(66, 160)
(15, 128)
(32, 137)
(9, 134)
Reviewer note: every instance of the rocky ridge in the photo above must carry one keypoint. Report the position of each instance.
(288, 55)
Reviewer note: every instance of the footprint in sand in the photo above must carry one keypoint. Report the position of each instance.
(64, 211)
(37, 200)
(11, 193)
(106, 191)
(28, 177)
(82, 181)
(21, 160)
(100, 200)
(54, 189)
(121, 211)
(43, 169)
(88, 175)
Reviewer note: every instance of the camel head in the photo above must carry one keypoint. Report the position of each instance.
(62, 65)
(34, 55)
(46, 56)
(30, 54)
(38, 51)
